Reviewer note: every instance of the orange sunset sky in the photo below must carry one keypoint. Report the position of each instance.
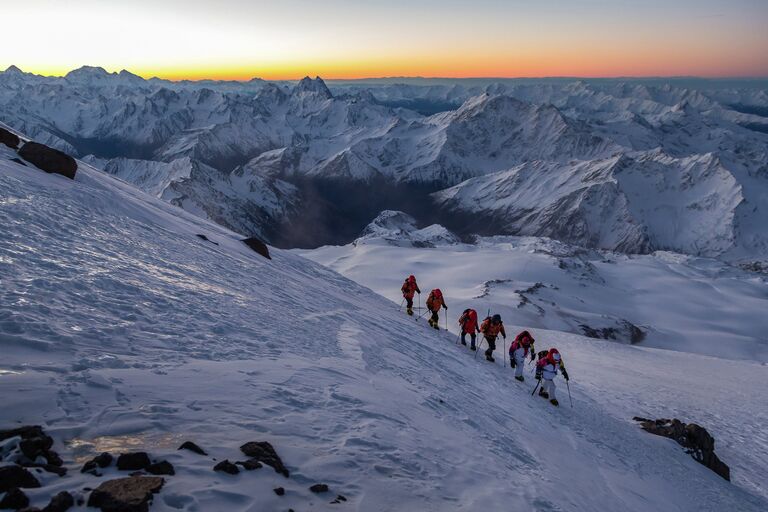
(239, 39)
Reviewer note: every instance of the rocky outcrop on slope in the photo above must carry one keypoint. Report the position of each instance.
(48, 159)
(694, 438)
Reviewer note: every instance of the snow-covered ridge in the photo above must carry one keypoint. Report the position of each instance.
(306, 134)
(399, 228)
(120, 327)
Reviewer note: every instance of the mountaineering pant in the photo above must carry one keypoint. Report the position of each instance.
(434, 316)
(491, 345)
(519, 356)
(409, 302)
(471, 335)
(549, 386)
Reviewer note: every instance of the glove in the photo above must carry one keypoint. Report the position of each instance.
(533, 355)
(445, 307)
(565, 375)
(538, 375)
(512, 362)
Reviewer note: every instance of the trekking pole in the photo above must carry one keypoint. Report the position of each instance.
(421, 315)
(458, 337)
(477, 351)
(538, 382)
(417, 318)
(446, 320)
(401, 304)
(505, 352)
(569, 392)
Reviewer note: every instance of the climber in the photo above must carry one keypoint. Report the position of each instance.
(434, 302)
(491, 328)
(519, 350)
(468, 323)
(547, 368)
(409, 288)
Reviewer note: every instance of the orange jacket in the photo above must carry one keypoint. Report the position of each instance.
(492, 330)
(435, 300)
(409, 288)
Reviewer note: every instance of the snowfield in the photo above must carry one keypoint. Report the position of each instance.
(121, 329)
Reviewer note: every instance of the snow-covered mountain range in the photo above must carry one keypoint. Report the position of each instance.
(127, 324)
(633, 166)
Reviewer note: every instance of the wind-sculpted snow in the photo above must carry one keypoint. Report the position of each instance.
(298, 144)
(120, 329)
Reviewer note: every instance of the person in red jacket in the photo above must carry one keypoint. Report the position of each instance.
(468, 323)
(491, 328)
(409, 288)
(546, 368)
(519, 350)
(434, 302)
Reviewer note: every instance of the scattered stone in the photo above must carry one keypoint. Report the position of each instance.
(189, 445)
(102, 460)
(250, 464)
(14, 498)
(694, 438)
(258, 246)
(48, 467)
(279, 491)
(264, 452)
(161, 468)
(60, 503)
(10, 139)
(130, 494)
(226, 467)
(318, 488)
(133, 461)
(339, 499)
(16, 476)
(48, 159)
(35, 443)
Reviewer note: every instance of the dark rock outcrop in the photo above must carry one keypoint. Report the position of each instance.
(133, 461)
(102, 460)
(339, 499)
(60, 503)
(203, 237)
(12, 477)
(10, 139)
(161, 468)
(14, 499)
(250, 464)
(258, 246)
(279, 491)
(131, 494)
(319, 488)
(262, 451)
(189, 445)
(226, 467)
(35, 443)
(48, 159)
(694, 438)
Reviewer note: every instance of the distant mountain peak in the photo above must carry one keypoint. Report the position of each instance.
(13, 70)
(316, 86)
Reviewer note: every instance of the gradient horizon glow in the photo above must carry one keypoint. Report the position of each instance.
(241, 39)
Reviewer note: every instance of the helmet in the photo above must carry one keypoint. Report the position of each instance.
(496, 319)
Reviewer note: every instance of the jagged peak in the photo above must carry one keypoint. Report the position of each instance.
(316, 86)
(13, 70)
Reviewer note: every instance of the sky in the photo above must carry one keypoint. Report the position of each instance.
(288, 39)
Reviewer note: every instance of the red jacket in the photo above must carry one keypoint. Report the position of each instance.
(409, 288)
(435, 300)
(519, 343)
(468, 321)
(492, 330)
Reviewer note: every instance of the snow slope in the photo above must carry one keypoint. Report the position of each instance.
(663, 300)
(119, 329)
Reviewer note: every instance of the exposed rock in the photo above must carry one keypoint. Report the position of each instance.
(697, 441)
(279, 491)
(60, 503)
(249, 464)
(102, 460)
(339, 499)
(34, 443)
(625, 330)
(131, 494)
(226, 467)
(161, 468)
(258, 246)
(264, 452)
(48, 159)
(14, 499)
(18, 161)
(10, 139)
(318, 488)
(133, 461)
(203, 237)
(16, 476)
(58, 470)
(189, 445)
